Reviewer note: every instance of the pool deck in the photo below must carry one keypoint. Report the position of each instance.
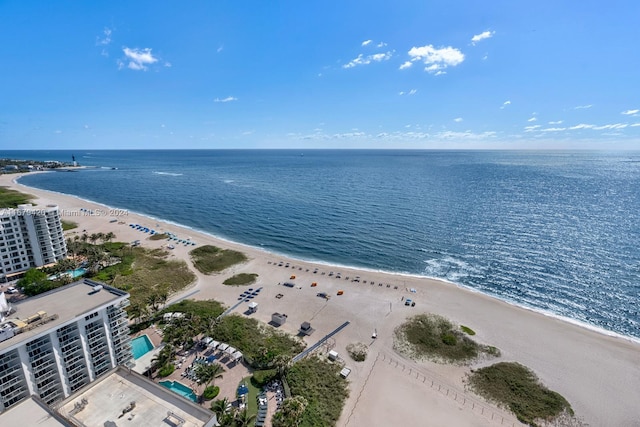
(234, 373)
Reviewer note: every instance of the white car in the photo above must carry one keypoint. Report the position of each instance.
(12, 290)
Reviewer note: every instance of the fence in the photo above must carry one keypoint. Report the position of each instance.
(460, 396)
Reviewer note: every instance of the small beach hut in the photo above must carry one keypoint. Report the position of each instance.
(214, 344)
(230, 350)
(223, 346)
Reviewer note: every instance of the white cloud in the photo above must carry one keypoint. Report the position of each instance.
(581, 126)
(138, 59)
(635, 125)
(381, 44)
(531, 128)
(557, 122)
(553, 129)
(105, 38)
(630, 112)
(465, 135)
(86, 126)
(484, 35)
(436, 59)
(458, 119)
(602, 127)
(364, 60)
(504, 104)
(366, 42)
(583, 107)
(411, 92)
(533, 119)
(220, 48)
(167, 64)
(406, 64)
(227, 99)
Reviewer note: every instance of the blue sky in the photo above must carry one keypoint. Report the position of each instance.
(332, 74)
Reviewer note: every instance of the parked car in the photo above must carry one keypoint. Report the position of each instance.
(12, 290)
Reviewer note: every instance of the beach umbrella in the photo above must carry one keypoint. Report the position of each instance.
(242, 390)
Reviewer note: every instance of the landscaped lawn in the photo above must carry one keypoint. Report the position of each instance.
(252, 398)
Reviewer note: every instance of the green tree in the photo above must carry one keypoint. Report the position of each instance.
(243, 418)
(35, 282)
(207, 373)
(290, 414)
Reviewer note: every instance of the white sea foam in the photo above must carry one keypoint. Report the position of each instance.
(167, 173)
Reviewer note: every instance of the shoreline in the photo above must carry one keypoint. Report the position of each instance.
(597, 373)
(408, 276)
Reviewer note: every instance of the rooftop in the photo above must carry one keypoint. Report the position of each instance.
(106, 398)
(67, 303)
(31, 412)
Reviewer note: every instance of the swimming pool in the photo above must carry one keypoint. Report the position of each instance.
(141, 346)
(71, 273)
(180, 389)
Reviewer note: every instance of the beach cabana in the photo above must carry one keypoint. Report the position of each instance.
(237, 355)
(214, 344)
(223, 346)
(229, 351)
(207, 340)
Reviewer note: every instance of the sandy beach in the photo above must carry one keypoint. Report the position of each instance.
(597, 373)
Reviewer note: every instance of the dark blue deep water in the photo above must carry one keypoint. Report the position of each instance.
(553, 231)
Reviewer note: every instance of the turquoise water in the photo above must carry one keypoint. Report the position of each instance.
(141, 346)
(77, 272)
(180, 389)
(73, 273)
(550, 230)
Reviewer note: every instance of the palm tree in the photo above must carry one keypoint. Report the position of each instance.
(162, 298)
(93, 238)
(282, 363)
(163, 357)
(109, 236)
(290, 414)
(220, 407)
(243, 418)
(206, 374)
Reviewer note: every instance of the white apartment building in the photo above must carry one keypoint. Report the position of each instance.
(55, 343)
(30, 236)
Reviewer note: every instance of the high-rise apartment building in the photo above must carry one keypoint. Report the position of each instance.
(30, 236)
(53, 344)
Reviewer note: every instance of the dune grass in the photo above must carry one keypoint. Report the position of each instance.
(11, 198)
(319, 382)
(436, 338)
(68, 225)
(242, 279)
(143, 272)
(516, 387)
(159, 236)
(211, 259)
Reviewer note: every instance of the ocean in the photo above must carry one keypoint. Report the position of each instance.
(553, 231)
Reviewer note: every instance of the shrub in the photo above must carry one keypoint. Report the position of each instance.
(357, 351)
(467, 330)
(166, 370)
(241, 279)
(211, 392)
(158, 236)
(518, 388)
(319, 382)
(449, 339)
(262, 378)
